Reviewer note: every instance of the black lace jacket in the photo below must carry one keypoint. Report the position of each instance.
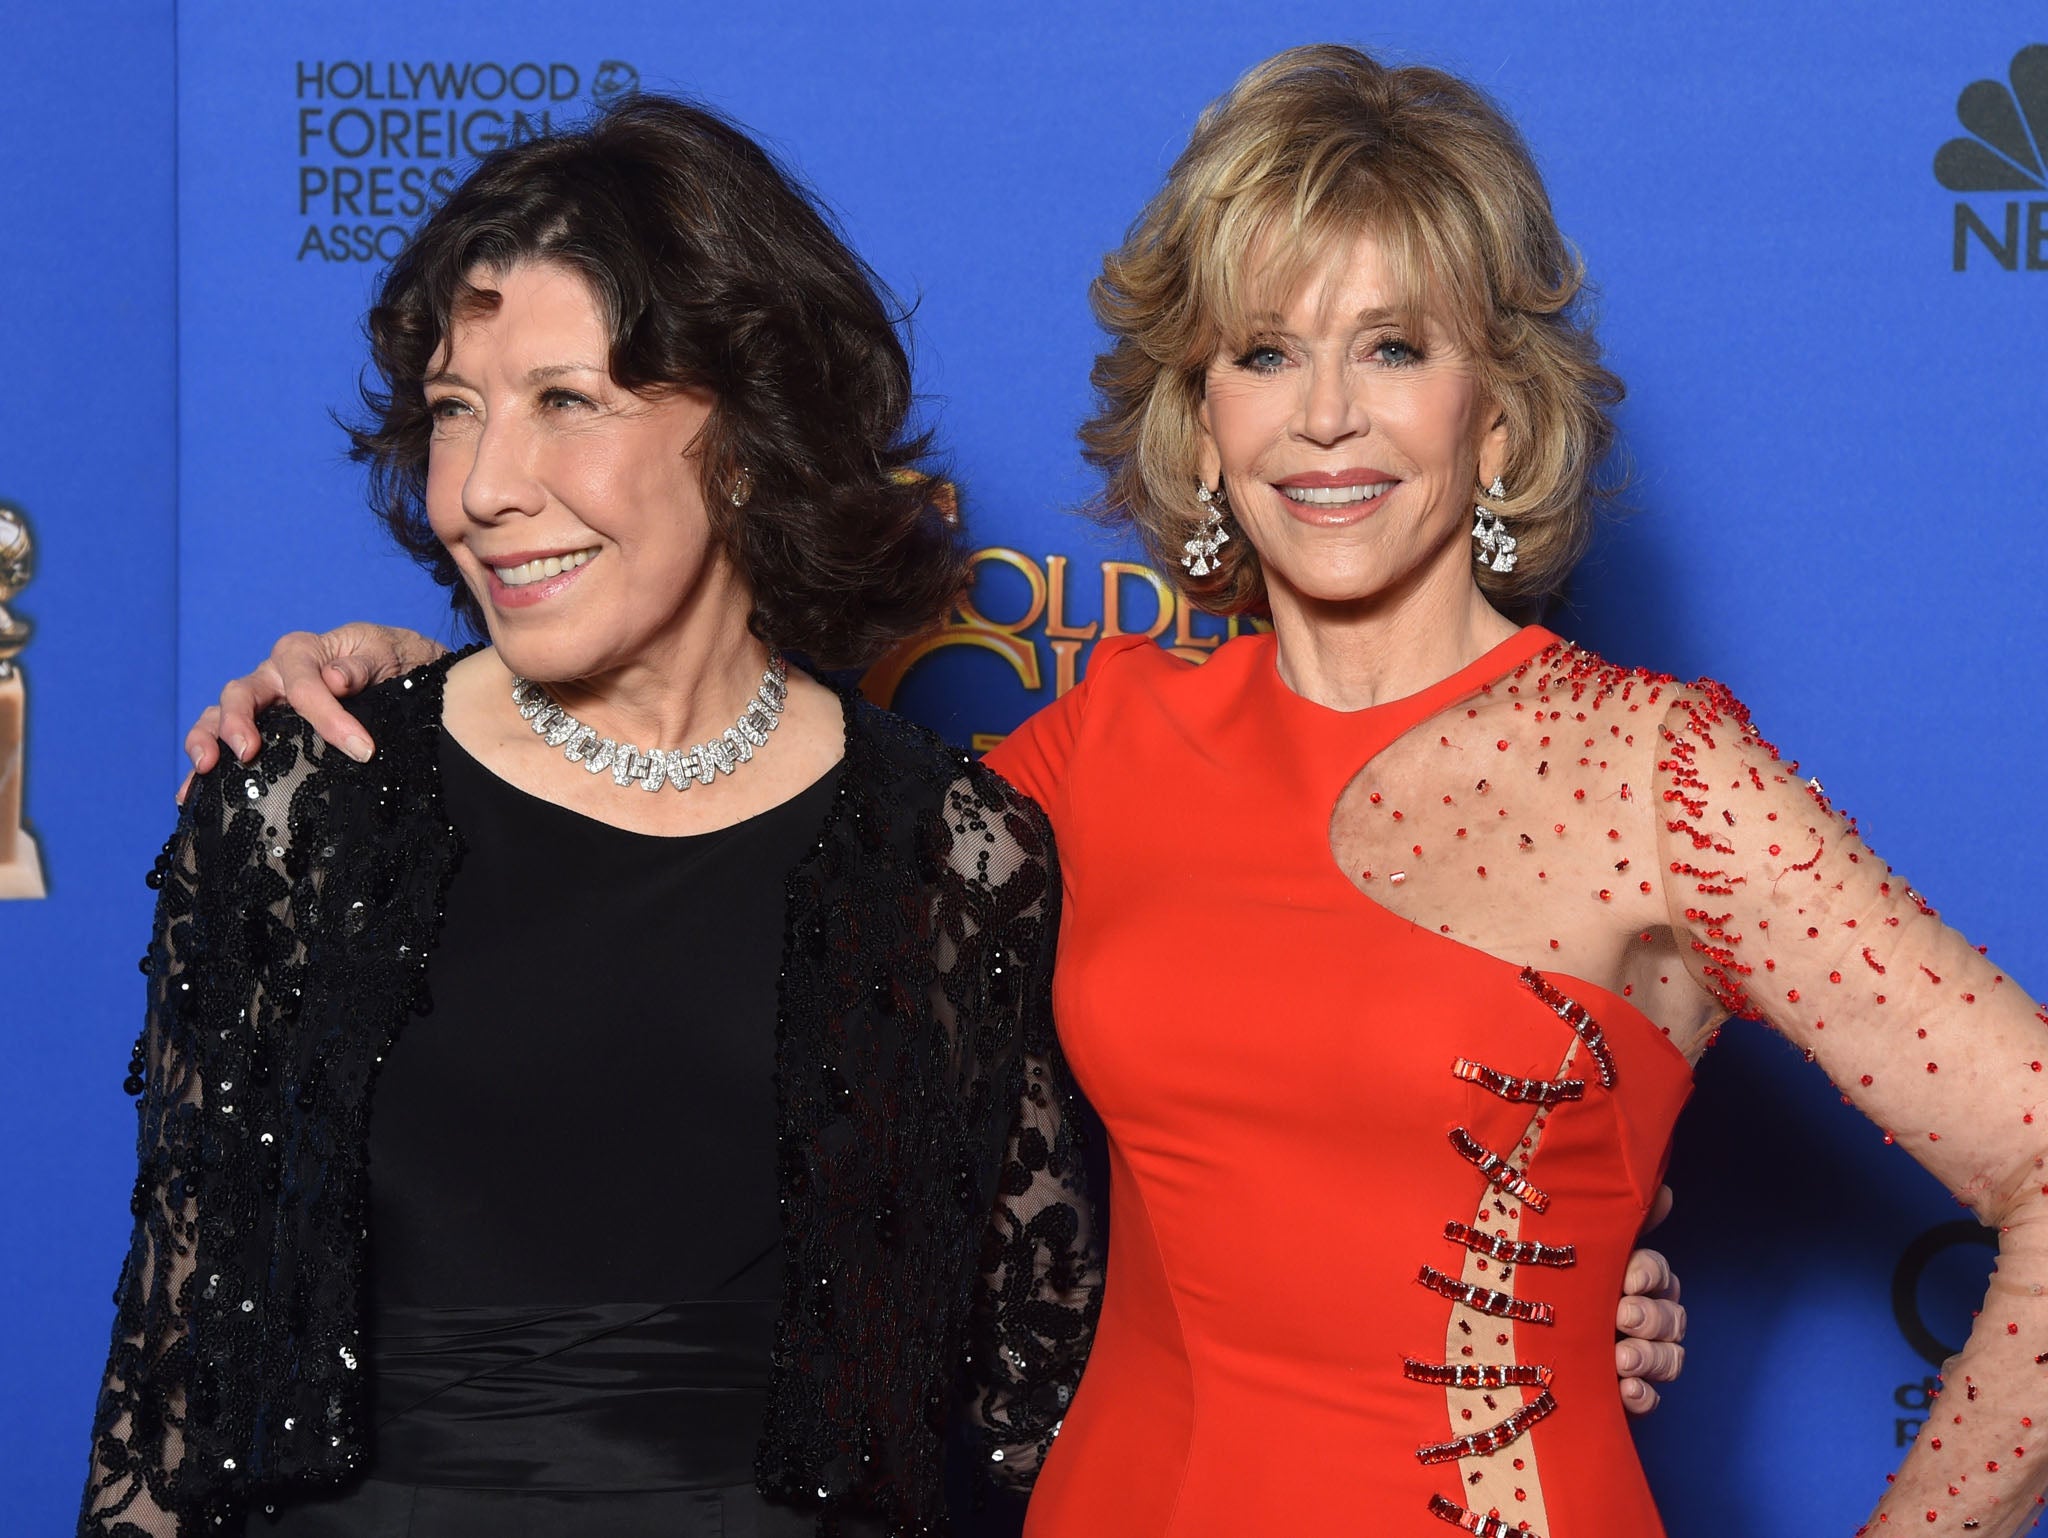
(938, 1247)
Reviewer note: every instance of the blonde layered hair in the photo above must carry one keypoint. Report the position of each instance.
(1311, 149)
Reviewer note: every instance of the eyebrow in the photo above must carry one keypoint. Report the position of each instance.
(1372, 316)
(539, 375)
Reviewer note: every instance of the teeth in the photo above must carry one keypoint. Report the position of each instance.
(546, 566)
(1335, 496)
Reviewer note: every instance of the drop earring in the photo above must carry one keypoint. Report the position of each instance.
(1496, 546)
(1198, 555)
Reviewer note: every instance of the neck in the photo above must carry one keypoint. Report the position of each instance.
(677, 705)
(683, 687)
(1357, 654)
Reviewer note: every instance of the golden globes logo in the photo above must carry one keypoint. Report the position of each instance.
(21, 868)
(1046, 636)
(1936, 1250)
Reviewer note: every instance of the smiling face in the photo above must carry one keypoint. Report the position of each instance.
(572, 507)
(1350, 446)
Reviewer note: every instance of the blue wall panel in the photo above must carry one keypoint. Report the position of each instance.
(88, 453)
(1835, 433)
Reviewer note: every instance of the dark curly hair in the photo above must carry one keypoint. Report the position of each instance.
(714, 272)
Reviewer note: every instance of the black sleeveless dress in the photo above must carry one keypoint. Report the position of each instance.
(575, 1247)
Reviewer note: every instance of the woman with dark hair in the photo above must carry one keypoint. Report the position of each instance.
(628, 1104)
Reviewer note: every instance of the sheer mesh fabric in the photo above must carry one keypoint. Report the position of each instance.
(139, 1430)
(171, 1431)
(893, 1188)
(1040, 1269)
(1623, 829)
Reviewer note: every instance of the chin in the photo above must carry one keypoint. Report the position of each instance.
(1358, 579)
(547, 659)
(1337, 588)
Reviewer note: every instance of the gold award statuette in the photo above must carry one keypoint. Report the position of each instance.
(21, 868)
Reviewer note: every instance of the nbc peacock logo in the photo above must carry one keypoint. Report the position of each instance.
(2006, 151)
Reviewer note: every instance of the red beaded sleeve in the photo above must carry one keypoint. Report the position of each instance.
(1785, 914)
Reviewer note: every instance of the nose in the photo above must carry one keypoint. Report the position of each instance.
(1330, 408)
(502, 482)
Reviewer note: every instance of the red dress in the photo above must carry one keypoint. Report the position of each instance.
(1379, 1009)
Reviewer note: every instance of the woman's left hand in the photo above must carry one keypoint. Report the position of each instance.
(1651, 1322)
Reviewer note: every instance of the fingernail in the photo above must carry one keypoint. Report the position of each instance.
(1630, 1359)
(356, 747)
(1631, 1315)
(236, 743)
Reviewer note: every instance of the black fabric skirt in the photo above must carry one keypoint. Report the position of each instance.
(379, 1508)
(608, 1421)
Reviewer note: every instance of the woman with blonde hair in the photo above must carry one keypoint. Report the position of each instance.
(1390, 938)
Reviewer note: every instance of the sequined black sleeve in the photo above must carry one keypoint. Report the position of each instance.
(1039, 1274)
(209, 954)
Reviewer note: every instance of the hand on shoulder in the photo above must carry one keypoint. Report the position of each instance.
(313, 674)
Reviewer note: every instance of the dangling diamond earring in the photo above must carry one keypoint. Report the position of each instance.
(1491, 534)
(1198, 555)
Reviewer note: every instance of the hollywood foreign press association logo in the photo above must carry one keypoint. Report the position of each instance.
(381, 143)
(2006, 151)
(614, 78)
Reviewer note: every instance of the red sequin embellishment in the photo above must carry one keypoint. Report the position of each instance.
(1484, 1300)
(1520, 1252)
(1466, 1375)
(1583, 1025)
(1499, 1174)
(1480, 1444)
(1476, 1522)
(1520, 1091)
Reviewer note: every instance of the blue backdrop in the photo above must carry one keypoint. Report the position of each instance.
(1836, 370)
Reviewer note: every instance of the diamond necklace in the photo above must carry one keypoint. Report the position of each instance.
(679, 767)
